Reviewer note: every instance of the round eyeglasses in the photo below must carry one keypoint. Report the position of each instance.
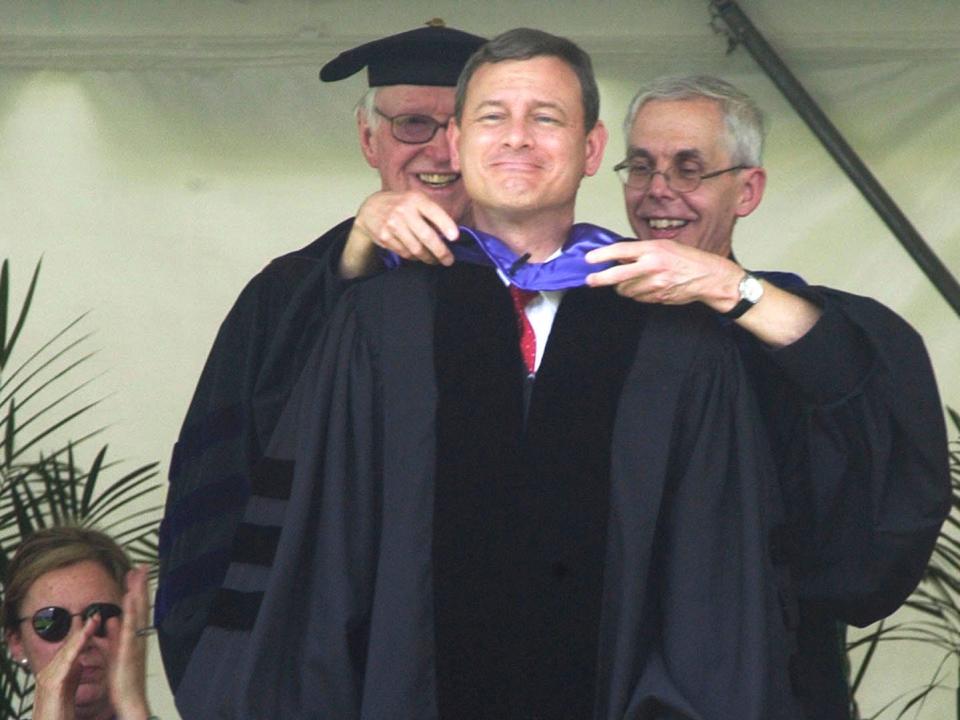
(412, 129)
(53, 623)
(638, 175)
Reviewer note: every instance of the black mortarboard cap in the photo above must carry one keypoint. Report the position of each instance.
(431, 55)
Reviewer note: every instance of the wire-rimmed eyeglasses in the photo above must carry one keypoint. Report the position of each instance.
(638, 175)
(412, 129)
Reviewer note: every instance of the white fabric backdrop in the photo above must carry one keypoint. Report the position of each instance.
(157, 154)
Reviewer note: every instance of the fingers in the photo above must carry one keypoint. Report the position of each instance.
(628, 267)
(645, 271)
(613, 275)
(136, 608)
(626, 254)
(136, 601)
(666, 272)
(621, 252)
(438, 218)
(72, 648)
(410, 225)
(414, 237)
(128, 661)
(57, 682)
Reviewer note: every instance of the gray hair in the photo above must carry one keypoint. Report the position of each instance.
(366, 108)
(742, 117)
(525, 44)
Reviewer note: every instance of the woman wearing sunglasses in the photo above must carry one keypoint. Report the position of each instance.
(71, 612)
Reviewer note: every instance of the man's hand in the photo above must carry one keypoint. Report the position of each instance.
(666, 272)
(407, 223)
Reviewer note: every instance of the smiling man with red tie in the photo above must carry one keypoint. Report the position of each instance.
(454, 547)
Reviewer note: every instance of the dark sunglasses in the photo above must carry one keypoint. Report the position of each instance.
(53, 623)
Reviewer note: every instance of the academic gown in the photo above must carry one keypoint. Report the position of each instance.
(408, 532)
(852, 411)
(856, 424)
(255, 360)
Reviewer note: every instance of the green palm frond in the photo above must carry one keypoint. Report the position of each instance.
(42, 486)
(7, 344)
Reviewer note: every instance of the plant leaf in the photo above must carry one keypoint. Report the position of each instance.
(6, 346)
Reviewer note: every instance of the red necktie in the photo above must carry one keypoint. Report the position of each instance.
(528, 340)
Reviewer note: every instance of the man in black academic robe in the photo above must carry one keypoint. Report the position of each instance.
(263, 343)
(442, 548)
(845, 386)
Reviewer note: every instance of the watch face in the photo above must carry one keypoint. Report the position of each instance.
(750, 289)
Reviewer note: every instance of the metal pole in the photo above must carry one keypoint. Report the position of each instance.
(742, 31)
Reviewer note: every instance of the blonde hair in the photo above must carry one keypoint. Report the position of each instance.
(54, 548)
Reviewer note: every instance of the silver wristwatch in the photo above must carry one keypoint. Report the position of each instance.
(751, 290)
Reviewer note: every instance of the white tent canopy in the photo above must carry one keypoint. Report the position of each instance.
(156, 154)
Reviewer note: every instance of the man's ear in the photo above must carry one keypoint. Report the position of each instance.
(596, 142)
(367, 144)
(453, 140)
(752, 183)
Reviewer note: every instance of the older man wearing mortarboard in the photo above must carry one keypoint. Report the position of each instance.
(261, 345)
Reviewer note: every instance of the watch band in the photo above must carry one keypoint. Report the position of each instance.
(750, 291)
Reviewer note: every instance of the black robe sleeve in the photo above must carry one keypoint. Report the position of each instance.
(860, 439)
(255, 359)
(340, 623)
(697, 627)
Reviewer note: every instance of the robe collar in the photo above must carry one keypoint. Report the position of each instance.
(567, 270)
